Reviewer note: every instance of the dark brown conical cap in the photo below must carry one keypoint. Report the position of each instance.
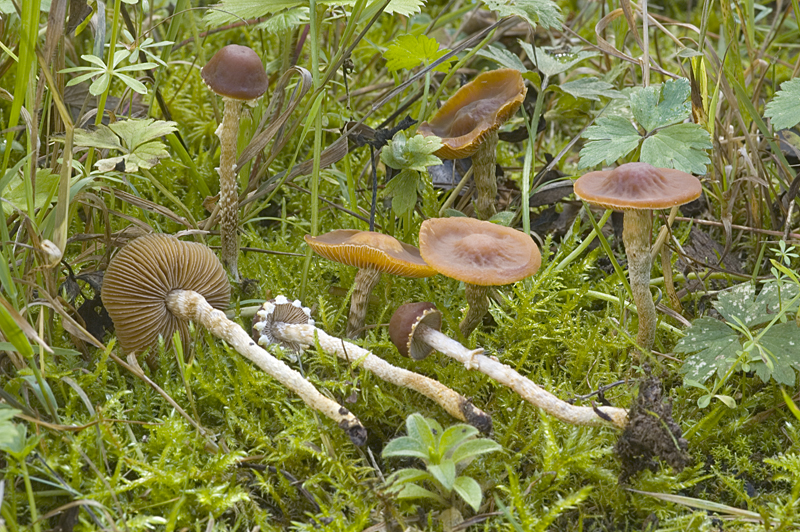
(140, 276)
(403, 328)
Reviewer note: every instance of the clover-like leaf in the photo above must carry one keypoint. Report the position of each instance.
(611, 138)
(714, 345)
(411, 51)
(416, 153)
(680, 146)
(136, 139)
(784, 110)
(661, 105)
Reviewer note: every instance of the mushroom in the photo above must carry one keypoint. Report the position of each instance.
(414, 330)
(468, 122)
(157, 283)
(237, 74)
(636, 189)
(481, 254)
(269, 328)
(372, 253)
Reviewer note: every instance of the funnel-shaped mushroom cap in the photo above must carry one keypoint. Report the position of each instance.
(236, 72)
(367, 249)
(638, 186)
(403, 326)
(476, 109)
(478, 252)
(140, 276)
(279, 310)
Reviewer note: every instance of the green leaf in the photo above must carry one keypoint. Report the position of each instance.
(611, 138)
(715, 346)
(682, 146)
(404, 476)
(403, 190)
(444, 473)
(234, 10)
(782, 341)
(544, 13)
(784, 109)
(46, 191)
(416, 153)
(405, 446)
(741, 303)
(12, 330)
(284, 21)
(469, 490)
(425, 431)
(503, 218)
(503, 57)
(455, 436)
(469, 450)
(136, 139)
(410, 51)
(549, 63)
(590, 88)
(661, 105)
(412, 491)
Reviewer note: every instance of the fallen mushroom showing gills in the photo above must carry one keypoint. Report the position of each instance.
(157, 283)
(468, 122)
(372, 253)
(235, 73)
(636, 189)
(414, 330)
(268, 329)
(481, 254)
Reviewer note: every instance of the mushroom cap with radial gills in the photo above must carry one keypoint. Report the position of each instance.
(476, 109)
(633, 186)
(477, 252)
(279, 310)
(403, 326)
(368, 249)
(144, 272)
(236, 72)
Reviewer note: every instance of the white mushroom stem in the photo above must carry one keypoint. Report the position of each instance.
(365, 281)
(636, 228)
(189, 305)
(454, 403)
(505, 375)
(478, 301)
(228, 132)
(484, 163)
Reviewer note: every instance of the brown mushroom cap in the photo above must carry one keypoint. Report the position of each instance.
(403, 326)
(476, 109)
(236, 72)
(279, 310)
(367, 249)
(478, 252)
(140, 276)
(638, 186)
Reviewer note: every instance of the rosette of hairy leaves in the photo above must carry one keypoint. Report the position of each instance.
(445, 453)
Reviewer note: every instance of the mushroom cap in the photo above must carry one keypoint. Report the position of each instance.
(638, 186)
(368, 249)
(403, 327)
(475, 110)
(478, 252)
(279, 310)
(140, 276)
(236, 72)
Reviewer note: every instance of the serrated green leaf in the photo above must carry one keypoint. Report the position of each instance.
(102, 138)
(403, 190)
(136, 139)
(284, 21)
(611, 138)
(473, 448)
(715, 346)
(784, 109)
(233, 10)
(469, 490)
(416, 153)
(46, 190)
(503, 57)
(741, 303)
(405, 446)
(544, 13)
(782, 340)
(661, 105)
(550, 65)
(444, 472)
(410, 51)
(590, 88)
(681, 146)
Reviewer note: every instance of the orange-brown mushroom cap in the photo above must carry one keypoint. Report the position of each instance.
(236, 72)
(476, 109)
(638, 186)
(139, 277)
(403, 326)
(367, 249)
(478, 252)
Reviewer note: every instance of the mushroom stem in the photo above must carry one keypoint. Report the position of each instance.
(484, 162)
(636, 229)
(189, 305)
(505, 375)
(365, 281)
(478, 301)
(228, 132)
(454, 403)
